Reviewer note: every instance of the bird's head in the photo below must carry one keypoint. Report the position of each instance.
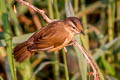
(74, 25)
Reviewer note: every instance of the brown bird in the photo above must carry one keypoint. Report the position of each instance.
(54, 36)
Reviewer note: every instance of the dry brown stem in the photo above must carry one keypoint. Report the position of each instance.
(42, 12)
(96, 71)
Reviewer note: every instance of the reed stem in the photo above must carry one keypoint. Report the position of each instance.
(118, 16)
(56, 65)
(65, 66)
(50, 9)
(111, 16)
(85, 40)
(56, 54)
(8, 38)
(57, 14)
(13, 16)
(76, 5)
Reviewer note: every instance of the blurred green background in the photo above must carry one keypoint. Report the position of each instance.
(100, 20)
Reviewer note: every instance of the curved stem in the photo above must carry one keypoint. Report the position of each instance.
(88, 57)
(42, 12)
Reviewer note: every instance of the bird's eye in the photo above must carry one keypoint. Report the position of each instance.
(73, 27)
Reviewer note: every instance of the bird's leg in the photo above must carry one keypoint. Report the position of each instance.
(65, 49)
(72, 43)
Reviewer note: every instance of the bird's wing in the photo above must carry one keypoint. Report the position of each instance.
(40, 40)
(44, 32)
(47, 39)
(48, 42)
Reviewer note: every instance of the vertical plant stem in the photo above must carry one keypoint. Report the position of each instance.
(76, 4)
(110, 20)
(56, 55)
(113, 13)
(50, 9)
(56, 65)
(65, 66)
(85, 40)
(26, 70)
(18, 31)
(57, 14)
(118, 16)
(8, 37)
(13, 16)
(2, 49)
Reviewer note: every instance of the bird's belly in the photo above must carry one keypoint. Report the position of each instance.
(65, 43)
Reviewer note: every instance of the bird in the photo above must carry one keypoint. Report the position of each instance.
(53, 37)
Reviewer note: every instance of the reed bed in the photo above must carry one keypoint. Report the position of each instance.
(101, 23)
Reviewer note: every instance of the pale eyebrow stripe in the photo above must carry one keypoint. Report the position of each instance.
(72, 24)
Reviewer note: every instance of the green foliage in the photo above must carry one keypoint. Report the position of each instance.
(101, 24)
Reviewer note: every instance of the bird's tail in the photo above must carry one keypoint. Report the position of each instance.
(21, 53)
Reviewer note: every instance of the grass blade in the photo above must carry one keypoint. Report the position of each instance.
(8, 39)
(80, 57)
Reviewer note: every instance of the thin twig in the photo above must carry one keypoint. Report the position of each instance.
(96, 70)
(89, 75)
(42, 12)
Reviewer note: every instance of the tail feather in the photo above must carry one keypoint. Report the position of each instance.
(21, 53)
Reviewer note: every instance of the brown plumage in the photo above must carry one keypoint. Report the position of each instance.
(54, 36)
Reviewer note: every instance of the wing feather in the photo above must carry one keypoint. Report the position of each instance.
(48, 38)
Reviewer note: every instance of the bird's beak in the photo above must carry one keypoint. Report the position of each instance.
(82, 32)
